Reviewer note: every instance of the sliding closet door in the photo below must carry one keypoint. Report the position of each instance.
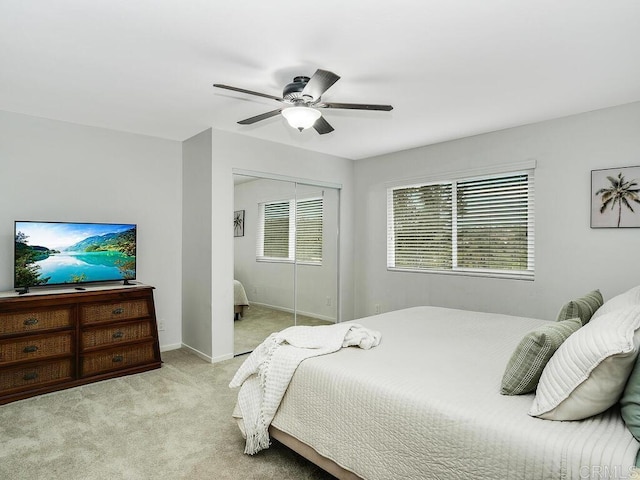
(316, 260)
(264, 258)
(285, 256)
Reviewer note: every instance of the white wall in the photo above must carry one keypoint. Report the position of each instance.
(272, 283)
(571, 258)
(56, 171)
(53, 170)
(196, 244)
(233, 151)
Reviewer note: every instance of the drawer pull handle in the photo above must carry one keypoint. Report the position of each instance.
(117, 311)
(117, 358)
(30, 349)
(30, 376)
(118, 334)
(31, 321)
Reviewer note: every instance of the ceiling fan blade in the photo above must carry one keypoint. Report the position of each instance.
(354, 106)
(322, 126)
(319, 83)
(257, 118)
(250, 92)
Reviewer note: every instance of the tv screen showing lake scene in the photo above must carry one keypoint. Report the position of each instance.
(53, 253)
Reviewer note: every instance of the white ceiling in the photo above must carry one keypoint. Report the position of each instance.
(451, 68)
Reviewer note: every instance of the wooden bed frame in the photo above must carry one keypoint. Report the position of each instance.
(310, 454)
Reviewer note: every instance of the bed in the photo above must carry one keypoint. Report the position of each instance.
(240, 300)
(425, 404)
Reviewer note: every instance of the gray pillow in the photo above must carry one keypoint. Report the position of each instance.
(630, 404)
(582, 308)
(532, 354)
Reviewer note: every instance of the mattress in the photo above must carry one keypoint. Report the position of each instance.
(425, 404)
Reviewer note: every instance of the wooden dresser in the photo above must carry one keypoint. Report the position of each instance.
(51, 341)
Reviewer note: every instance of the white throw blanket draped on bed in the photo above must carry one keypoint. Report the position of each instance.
(266, 374)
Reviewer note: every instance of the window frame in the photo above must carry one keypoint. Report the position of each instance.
(452, 181)
(292, 232)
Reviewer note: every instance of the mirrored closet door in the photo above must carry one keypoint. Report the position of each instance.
(285, 257)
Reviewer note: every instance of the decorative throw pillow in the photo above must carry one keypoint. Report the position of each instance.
(583, 307)
(532, 354)
(630, 402)
(588, 373)
(630, 298)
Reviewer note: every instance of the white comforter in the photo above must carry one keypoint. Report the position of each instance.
(425, 404)
(264, 376)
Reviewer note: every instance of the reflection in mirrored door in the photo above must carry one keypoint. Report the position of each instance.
(286, 260)
(316, 255)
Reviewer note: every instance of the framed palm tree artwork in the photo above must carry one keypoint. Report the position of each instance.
(238, 223)
(615, 198)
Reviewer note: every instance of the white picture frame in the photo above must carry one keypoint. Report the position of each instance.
(615, 197)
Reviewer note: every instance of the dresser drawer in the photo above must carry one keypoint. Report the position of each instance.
(116, 358)
(35, 347)
(30, 376)
(11, 323)
(97, 313)
(113, 335)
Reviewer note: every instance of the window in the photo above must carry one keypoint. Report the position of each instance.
(289, 230)
(309, 230)
(275, 232)
(481, 225)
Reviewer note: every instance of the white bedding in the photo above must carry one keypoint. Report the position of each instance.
(239, 294)
(425, 404)
(265, 374)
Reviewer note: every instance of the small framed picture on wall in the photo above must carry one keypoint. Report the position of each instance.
(238, 223)
(615, 198)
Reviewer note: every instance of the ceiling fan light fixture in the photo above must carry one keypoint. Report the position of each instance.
(301, 117)
(299, 97)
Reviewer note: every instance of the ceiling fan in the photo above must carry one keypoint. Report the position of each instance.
(302, 99)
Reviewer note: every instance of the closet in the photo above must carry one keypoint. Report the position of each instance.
(285, 254)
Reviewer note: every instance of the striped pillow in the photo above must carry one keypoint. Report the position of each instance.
(532, 354)
(582, 308)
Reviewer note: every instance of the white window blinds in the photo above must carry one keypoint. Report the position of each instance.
(309, 230)
(273, 230)
(482, 225)
(290, 229)
(493, 221)
(421, 227)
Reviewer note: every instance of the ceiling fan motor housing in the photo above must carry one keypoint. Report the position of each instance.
(293, 91)
(302, 99)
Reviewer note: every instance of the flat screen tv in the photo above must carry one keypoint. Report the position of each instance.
(57, 253)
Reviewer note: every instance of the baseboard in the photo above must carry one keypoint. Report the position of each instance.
(206, 357)
(198, 353)
(166, 348)
(290, 310)
(222, 358)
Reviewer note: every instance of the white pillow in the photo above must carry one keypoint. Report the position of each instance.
(630, 298)
(588, 373)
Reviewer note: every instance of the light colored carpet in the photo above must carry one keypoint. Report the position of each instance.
(259, 322)
(170, 423)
